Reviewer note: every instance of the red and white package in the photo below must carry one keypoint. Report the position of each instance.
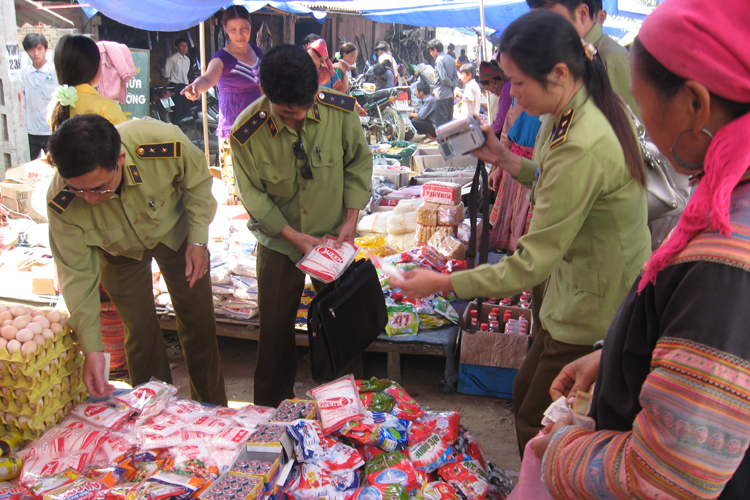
(224, 412)
(230, 437)
(209, 425)
(325, 262)
(38, 467)
(80, 488)
(446, 193)
(185, 410)
(438, 490)
(444, 424)
(250, 416)
(101, 415)
(148, 441)
(466, 477)
(61, 442)
(161, 425)
(9, 491)
(111, 448)
(191, 437)
(189, 452)
(338, 403)
(146, 394)
(222, 458)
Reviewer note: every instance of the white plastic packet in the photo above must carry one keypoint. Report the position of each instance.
(325, 262)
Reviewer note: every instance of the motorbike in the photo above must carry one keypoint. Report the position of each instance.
(161, 103)
(383, 122)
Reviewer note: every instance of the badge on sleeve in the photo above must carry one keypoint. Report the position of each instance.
(61, 201)
(338, 101)
(244, 132)
(159, 150)
(560, 132)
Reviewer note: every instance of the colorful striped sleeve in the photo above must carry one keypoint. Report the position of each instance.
(686, 442)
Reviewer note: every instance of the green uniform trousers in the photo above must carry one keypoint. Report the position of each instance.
(280, 286)
(128, 283)
(531, 396)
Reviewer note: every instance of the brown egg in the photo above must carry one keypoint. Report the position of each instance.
(8, 332)
(24, 335)
(13, 346)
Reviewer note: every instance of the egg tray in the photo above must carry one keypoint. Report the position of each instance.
(38, 395)
(41, 412)
(11, 374)
(35, 428)
(35, 361)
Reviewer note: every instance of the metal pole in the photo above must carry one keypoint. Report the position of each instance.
(204, 100)
(484, 36)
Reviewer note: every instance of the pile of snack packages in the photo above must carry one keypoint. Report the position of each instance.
(40, 370)
(351, 440)
(233, 271)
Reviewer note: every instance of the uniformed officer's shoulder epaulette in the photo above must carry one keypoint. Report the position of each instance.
(159, 150)
(560, 132)
(135, 175)
(244, 132)
(61, 201)
(338, 101)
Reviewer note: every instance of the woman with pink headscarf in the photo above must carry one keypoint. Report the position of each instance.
(327, 76)
(672, 394)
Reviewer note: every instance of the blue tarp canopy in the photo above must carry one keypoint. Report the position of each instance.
(177, 15)
(460, 13)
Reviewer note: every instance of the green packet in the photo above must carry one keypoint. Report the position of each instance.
(402, 320)
(444, 308)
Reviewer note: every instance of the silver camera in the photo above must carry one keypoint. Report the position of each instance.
(458, 137)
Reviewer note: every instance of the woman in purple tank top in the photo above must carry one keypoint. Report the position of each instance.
(235, 70)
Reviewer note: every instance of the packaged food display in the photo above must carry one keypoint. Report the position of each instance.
(402, 223)
(450, 215)
(427, 214)
(326, 262)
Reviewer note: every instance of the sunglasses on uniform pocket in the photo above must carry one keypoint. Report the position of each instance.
(300, 155)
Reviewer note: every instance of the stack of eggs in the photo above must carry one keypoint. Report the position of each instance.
(40, 370)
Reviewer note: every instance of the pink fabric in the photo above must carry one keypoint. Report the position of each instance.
(703, 40)
(530, 483)
(727, 159)
(117, 69)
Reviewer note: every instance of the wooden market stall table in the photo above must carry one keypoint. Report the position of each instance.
(437, 342)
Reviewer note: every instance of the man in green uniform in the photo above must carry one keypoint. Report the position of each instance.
(615, 58)
(122, 196)
(303, 170)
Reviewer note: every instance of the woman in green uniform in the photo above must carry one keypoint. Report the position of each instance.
(588, 234)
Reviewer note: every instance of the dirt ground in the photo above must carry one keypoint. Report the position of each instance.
(489, 420)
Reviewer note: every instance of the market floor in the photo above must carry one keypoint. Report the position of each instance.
(488, 420)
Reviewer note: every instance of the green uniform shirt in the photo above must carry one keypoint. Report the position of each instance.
(616, 62)
(165, 197)
(268, 176)
(588, 233)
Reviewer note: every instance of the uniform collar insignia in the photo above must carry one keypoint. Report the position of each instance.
(560, 131)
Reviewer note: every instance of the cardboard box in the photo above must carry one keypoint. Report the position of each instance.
(35, 171)
(15, 194)
(486, 381)
(496, 349)
(398, 177)
(430, 158)
(41, 285)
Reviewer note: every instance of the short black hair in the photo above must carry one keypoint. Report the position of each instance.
(83, 143)
(423, 87)
(378, 69)
(387, 64)
(288, 76)
(571, 5)
(435, 44)
(32, 40)
(347, 48)
(179, 41)
(468, 68)
(597, 6)
(310, 39)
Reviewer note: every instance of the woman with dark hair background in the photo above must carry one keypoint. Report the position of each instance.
(77, 64)
(588, 234)
(673, 379)
(235, 69)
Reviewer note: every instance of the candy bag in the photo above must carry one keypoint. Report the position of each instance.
(391, 468)
(109, 476)
(467, 477)
(80, 488)
(9, 491)
(381, 492)
(338, 403)
(101, 415)
(402, 320)
(437, 490)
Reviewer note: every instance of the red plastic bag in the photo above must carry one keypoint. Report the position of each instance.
(530, 481)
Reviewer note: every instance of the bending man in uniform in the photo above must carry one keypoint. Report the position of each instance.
(122, 196)
(303, 170)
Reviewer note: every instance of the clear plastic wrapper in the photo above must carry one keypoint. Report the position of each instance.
(408, 205)
(450, 215)
(451, 249)
(186, 410)
(427, 214)
(60, 442)
(402, 223)
(252, 415)
(246, 266)
(148, 441)
(230, 437)
(193, 437)
(376, 223)
(209, 425)
(79, 488)
(338, 402)
(148, 398)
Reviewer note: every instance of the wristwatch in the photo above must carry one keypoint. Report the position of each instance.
(204, 245)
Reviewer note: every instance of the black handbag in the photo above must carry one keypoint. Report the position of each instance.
(344, 319)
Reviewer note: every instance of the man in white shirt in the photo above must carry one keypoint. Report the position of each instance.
(39, 83)
(176, 72)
